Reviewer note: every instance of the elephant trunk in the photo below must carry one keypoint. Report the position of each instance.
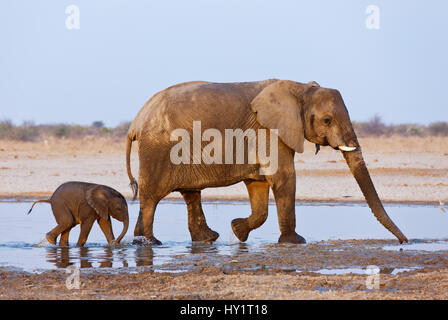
(359, 170)
(125, 229)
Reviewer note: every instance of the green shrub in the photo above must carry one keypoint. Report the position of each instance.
(26, 132)
(61, 131)
(416, 130)
(97, 124)
(122, 129)
(79, 131)
(6, 128)
(438, 129)
(374, 126)
(105, 130)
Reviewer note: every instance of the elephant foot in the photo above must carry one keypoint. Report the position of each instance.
(291, 237)
(51, 239)
(204, 235)
(241, 229)
(144, 241)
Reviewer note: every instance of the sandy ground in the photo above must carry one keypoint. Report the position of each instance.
(210, 283)
(403, 169)
(271, 274)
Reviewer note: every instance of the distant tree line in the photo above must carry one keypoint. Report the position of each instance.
(29, 131)
(376, 127)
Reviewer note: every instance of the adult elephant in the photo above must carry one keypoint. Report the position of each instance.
(297, 110)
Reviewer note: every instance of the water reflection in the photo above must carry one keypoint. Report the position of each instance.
(60, 257)
(200, 248)
(138, 256)
(19, 233)
(86, 257)
(242, 248)
(144, 256)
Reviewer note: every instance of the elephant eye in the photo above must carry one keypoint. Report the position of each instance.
(327, 121)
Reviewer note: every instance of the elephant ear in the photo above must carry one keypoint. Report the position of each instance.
(277, 107)
(97, 198)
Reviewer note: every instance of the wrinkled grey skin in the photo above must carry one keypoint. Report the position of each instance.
(299, 111)
(82, 203)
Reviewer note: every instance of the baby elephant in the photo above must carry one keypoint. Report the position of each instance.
(82, 203)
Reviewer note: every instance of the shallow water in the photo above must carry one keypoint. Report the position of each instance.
(362, 271)
(20, 232)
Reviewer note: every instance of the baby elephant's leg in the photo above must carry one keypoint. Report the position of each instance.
(106, 227)
(63, 241)
(86, 226)
(64, 218)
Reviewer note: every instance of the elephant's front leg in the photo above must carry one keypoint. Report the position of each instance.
(199, 230)
(283, 184)
(259, 198)
(106, 227)
(86, 226)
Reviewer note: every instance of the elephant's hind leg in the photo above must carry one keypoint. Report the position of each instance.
(138, 230)
(145, 221)
(65, 221)
(63, 241)
(259, 197)
(199, 230)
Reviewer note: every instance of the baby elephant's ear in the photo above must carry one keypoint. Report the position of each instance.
(97, 198)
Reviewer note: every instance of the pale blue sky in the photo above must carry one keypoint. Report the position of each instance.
(125, 51)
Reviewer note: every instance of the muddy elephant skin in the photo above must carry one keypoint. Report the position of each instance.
(298, 111)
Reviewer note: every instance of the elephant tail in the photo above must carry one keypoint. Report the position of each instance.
(47, 201)
(133, 183)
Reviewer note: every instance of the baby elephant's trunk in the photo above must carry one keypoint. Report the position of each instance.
(125, 229)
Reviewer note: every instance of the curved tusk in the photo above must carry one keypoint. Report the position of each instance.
(345, 148)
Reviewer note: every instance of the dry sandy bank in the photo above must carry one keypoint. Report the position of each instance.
(403, 169)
